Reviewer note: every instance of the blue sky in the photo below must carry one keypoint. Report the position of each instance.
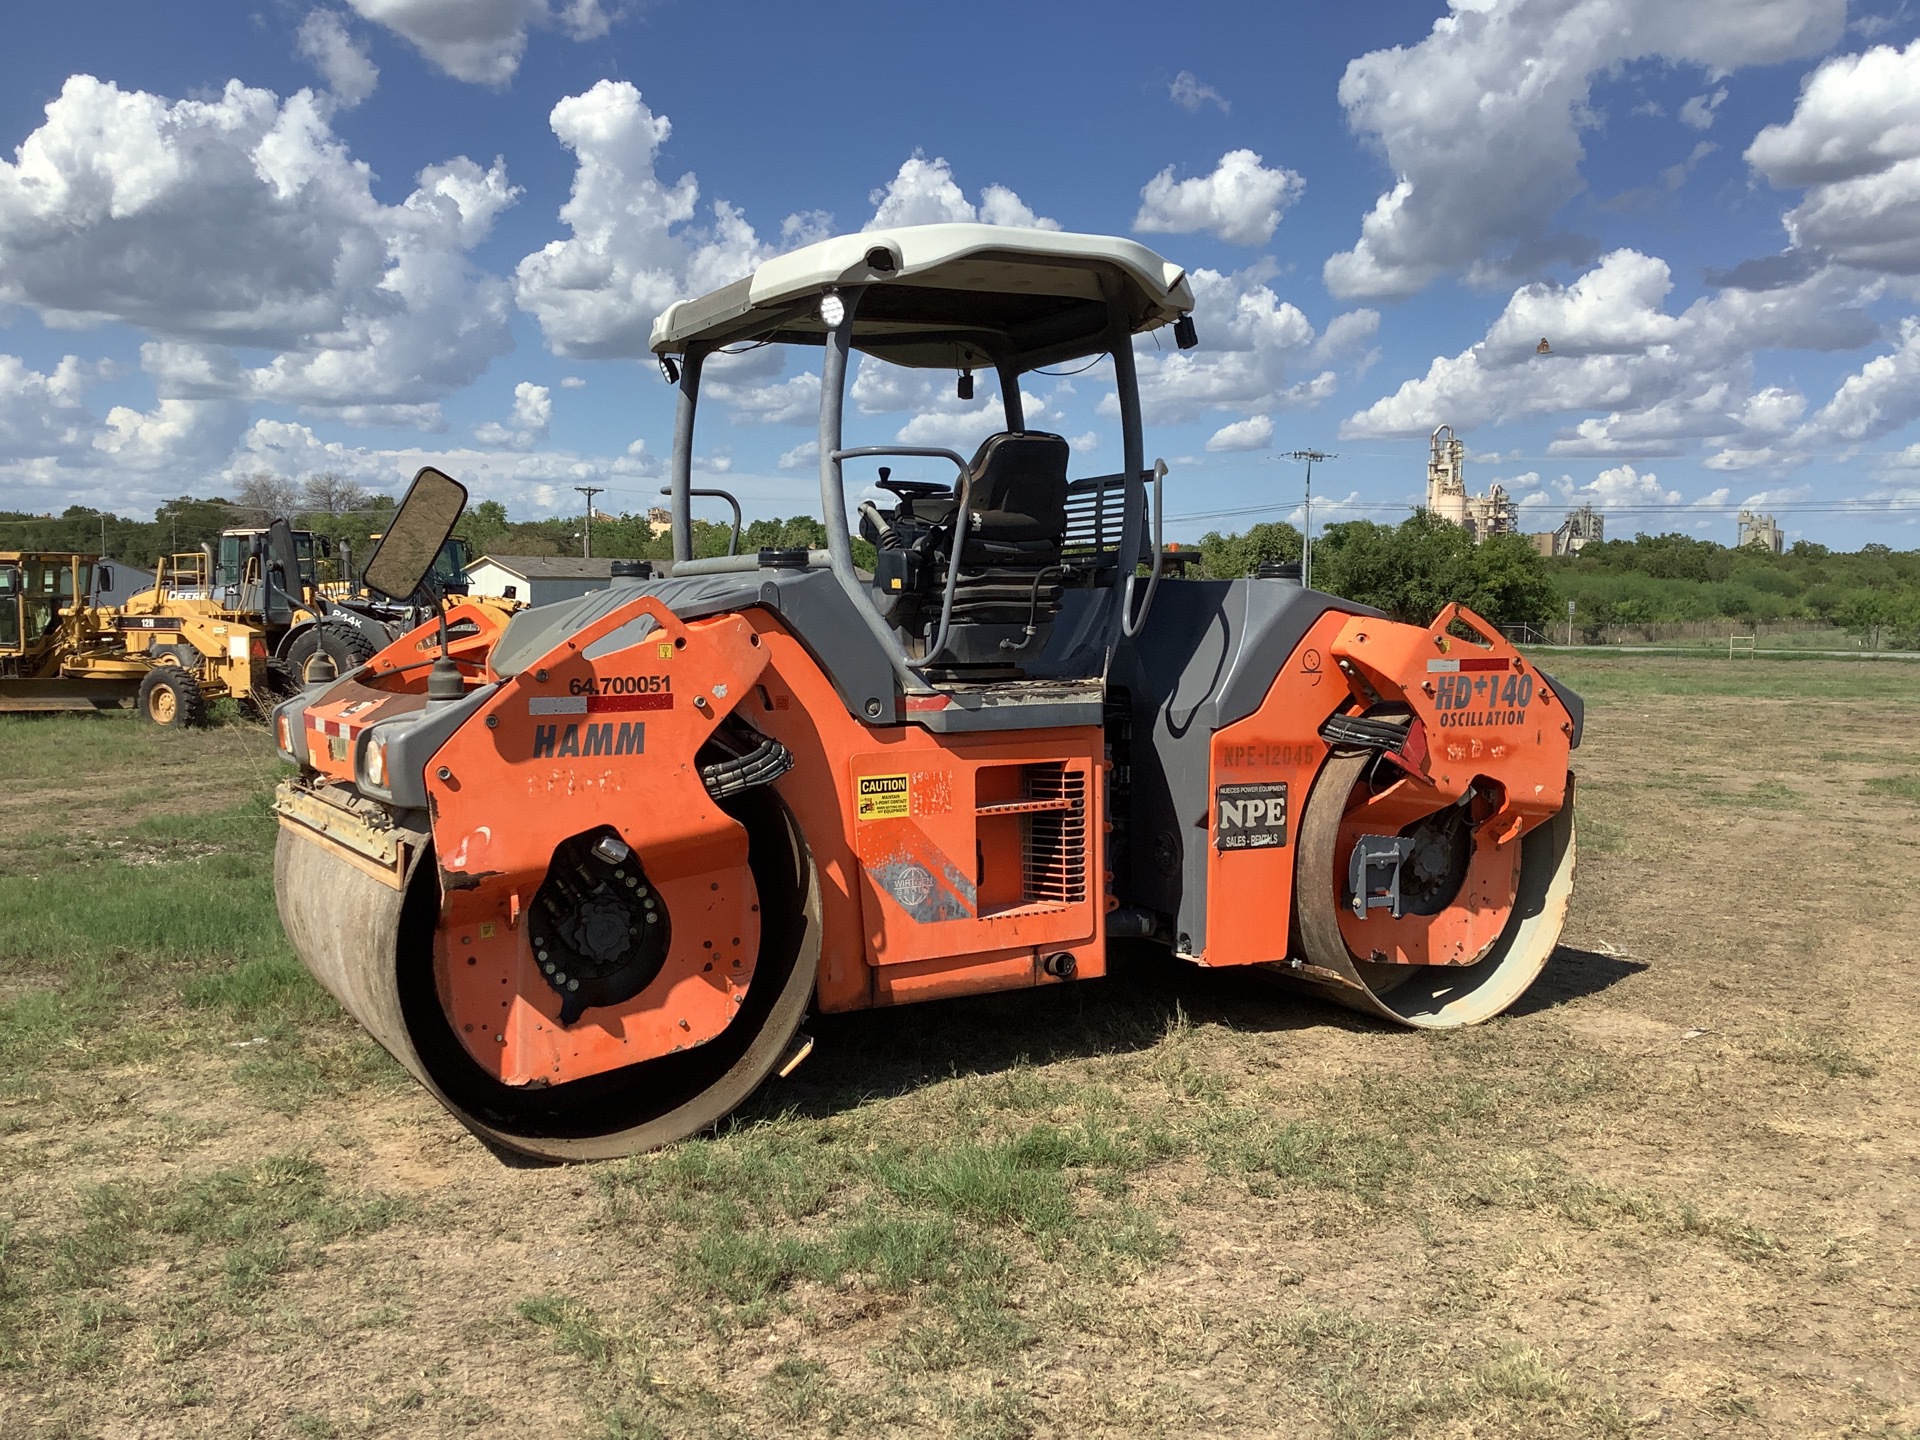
(369, 234)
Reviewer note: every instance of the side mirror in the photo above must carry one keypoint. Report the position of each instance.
(426, 517)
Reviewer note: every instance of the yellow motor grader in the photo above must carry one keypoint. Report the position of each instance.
(57, 652)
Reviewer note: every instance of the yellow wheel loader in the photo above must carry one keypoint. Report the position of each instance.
(248, 617)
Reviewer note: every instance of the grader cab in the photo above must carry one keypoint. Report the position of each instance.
(586, 874)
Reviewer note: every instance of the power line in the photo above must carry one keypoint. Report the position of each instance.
(1380, 507)
(586, 539)
(1306, 539)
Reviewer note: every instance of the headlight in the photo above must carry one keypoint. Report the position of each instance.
(373, 763)
(832, 309)
(283, 732)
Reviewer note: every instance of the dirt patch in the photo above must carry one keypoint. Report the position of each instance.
(1672, 1193)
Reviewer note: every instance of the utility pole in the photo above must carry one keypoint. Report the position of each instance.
(1306, 539)
(586, 542)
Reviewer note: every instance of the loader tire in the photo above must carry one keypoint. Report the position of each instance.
(170, 696)
(349, 649)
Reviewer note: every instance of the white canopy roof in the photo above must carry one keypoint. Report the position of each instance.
(942, 295)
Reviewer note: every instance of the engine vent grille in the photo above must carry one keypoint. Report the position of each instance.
(1053, 839)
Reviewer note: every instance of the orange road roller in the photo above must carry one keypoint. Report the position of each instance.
(585, 871)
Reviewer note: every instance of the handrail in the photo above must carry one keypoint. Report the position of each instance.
(733, 545)
(962, 516)
(1131, 624)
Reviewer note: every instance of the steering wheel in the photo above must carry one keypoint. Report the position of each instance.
(912, 489)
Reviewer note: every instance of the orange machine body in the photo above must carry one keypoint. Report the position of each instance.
(1478, 733)
(947, 863)
(394, 683)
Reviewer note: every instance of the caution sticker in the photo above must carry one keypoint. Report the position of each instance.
(882, 797)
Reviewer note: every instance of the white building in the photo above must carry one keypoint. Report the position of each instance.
(1493, 513)
(537, 579)
(1760, 530)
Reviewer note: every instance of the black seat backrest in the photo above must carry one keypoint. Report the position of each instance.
(1020, 487)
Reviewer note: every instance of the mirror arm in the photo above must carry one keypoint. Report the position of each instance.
(1130, 623)
(733, 545)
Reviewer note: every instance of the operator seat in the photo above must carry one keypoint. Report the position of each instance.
(1019, 500)
(1011, 570)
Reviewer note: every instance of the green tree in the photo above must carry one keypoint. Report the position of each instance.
(1868, 614)
(1414, 569)
(183, 525)
(483, 526)
(1229, 557)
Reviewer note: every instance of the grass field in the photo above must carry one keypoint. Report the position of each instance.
(1671, 1194)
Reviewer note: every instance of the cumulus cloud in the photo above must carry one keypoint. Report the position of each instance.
(481, 40)
(632, 250)
(1190, 93)
(540, 479)
(1877, 399)
(1853, 143)
(1253, 433)
(1649, 381)
(1347, 335)
(242, 220)
(1699, 111)
(963, 430)
(1241, 201)
(387, 417)
(1250, 341)
(529, 423)
(804, 227)
(1621, 488)
(175, 436)
(43, 416)
(793, 401)
(341, 61)
(1512, 79)
(937, 415)
(924, 192)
